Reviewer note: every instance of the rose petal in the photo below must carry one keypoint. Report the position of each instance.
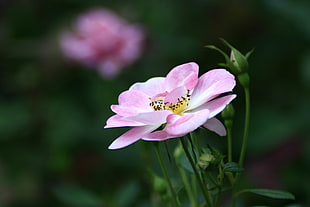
(182, 75)
(132, 102)
(208, 89)
(175, 94)
(150, 118)
(181, 125)
(134, 98)
(132, 136)
(159, 136)
(151, 87)
(124, 110)
(217, 105)
(119, 121)
(216, 126)
(212, 76)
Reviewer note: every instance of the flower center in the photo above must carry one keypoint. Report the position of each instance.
(178, 108)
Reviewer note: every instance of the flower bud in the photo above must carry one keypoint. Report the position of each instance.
(205, 160)
(244, 79)
(229, 112)
(228, 124)
(228, 115)
(239, 63)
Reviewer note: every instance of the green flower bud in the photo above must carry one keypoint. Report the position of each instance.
(228, 124)
(229, 112)
(205, 160)
(244, 79)
(239, 62)
(228, 115)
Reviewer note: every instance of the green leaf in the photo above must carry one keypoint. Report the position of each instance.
(219, 50)
(247, 55)
(232, 167)
(275, 194)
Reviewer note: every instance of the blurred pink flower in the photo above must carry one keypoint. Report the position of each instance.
(172, 106)
(104, 41)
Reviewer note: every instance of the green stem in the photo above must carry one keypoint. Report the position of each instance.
(193, 136)
(164, 170)
(194, 153)
(210, 177)
(246, 126)
(220, 183)
(244, 142)
(229, 144)
(205, 192)
(194, 186)
(190, 193)
(233, 186)
(197, 141)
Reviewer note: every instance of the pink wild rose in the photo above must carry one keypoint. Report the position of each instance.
(104, 41)
(172, 106)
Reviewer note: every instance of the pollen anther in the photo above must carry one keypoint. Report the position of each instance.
(177, 108)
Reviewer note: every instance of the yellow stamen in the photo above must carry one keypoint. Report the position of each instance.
(177, 108)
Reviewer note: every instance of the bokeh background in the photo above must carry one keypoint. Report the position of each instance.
(53, 148)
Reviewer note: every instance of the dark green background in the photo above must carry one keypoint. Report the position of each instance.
(53, 148)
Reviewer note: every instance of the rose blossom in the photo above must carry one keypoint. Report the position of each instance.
(104, 41)
(172, 106)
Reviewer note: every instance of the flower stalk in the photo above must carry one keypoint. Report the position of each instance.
(193, 200)
(228, 115)
(206, 193)
(164, 170)
(246, 126)
(220, 183)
